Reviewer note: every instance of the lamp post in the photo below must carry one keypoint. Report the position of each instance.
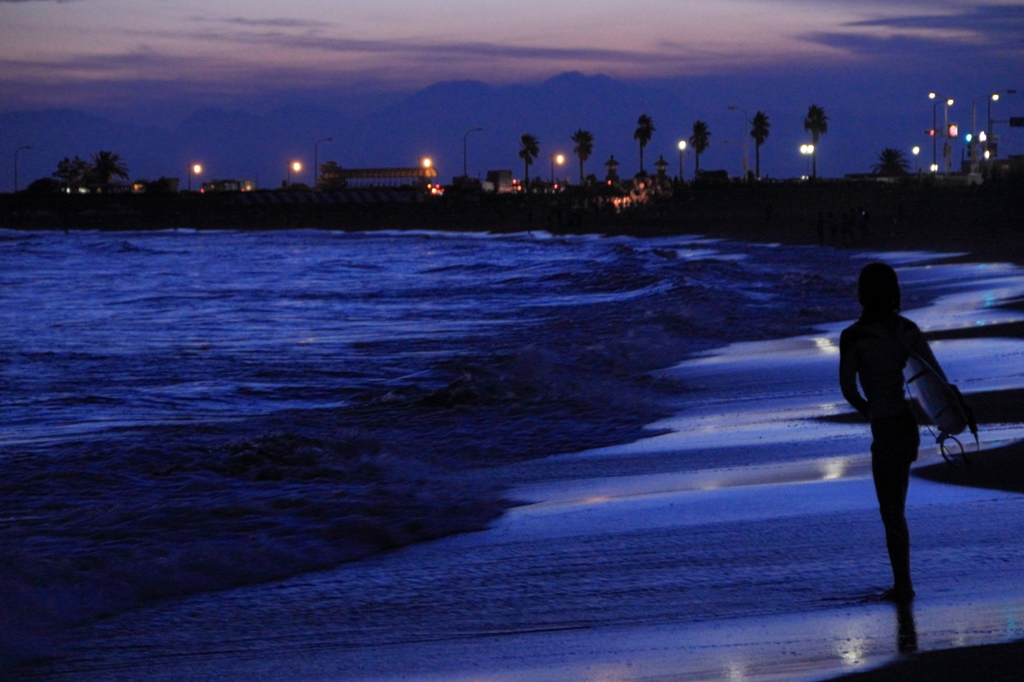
(947, 150)
(194, 169)
(465, 138)
(917, 162)
(682, 150)
(555, 158)
(945, 123)
(974, 112)
(935, 131)
(316, 160)
(994, 98)
(16, 152)
(807, 150)
(293, 166)
(746, 126)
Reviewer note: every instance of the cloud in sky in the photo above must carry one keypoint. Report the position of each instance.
(421, 42)
(984, 20)
(84, 48)
(987, 29)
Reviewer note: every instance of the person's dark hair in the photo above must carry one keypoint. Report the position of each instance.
(878, 289)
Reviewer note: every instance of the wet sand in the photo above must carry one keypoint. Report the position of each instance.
(992, 663)
(773, 568)
(997, 469)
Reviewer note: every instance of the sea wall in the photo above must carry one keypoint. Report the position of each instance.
(986, 219)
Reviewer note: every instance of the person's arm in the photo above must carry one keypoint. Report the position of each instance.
(848, 377)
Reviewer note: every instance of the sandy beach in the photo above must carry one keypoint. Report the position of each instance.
(676, 557)
(1000, 468)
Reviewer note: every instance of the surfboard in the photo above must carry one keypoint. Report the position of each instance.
(937, 398)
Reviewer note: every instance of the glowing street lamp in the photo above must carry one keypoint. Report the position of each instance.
(994, 98)
(682, 150)
(917, 163)
(294, 166)
(555, 158)
(427, 163)
(196, 169)
(807, 150)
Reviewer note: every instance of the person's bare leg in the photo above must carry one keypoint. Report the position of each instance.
(897, 540)
(891, 484)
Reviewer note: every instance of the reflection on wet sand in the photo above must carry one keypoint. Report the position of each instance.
(906, 630)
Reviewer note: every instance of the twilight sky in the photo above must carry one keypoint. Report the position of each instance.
(120, 57)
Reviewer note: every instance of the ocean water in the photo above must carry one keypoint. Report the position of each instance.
(186, 412)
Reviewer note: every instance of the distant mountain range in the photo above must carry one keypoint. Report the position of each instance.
(433, 122)
(429, 123)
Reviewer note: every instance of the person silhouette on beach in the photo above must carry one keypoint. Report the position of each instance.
(875, 349)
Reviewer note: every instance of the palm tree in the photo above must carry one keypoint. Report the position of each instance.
(529, 149)
(700, 140)
(816, 123)
(760, 133)
(329, 177)
(644, 130)
(584, 141)
(106, 166)
(891, 162)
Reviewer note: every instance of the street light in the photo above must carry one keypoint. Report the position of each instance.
(945, 127)
(682, 150)
(316, 159)
(555, 158)
(994, 98)
(194, 169)
(16, 152)
(465, 138)
(294, 166)
(746, 126)
(807, 150)
(917, 163)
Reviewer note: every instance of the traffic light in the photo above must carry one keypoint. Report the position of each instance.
(930, 132)
(952, 132)
(968, 137)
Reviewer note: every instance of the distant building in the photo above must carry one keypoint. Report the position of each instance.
(229, 186)
(105, 188)
(1004, 166)
(161, 185)
(341, 178)
(499, 182)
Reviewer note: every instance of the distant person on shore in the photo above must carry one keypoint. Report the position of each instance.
(865, 226)
(875, 349)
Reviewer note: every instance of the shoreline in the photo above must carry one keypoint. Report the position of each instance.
(985, 659)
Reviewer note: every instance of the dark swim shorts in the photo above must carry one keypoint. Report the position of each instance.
(896, 438)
